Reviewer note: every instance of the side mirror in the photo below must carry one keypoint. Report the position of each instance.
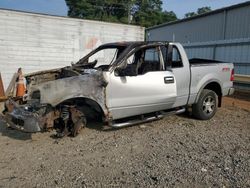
(119, 72)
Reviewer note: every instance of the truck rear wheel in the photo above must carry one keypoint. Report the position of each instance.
(206, 106)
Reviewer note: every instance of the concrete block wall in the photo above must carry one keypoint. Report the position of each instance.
(38, 42)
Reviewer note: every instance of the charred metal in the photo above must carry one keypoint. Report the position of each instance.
(61, 99)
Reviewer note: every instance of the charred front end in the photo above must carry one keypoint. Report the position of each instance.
(62, 99)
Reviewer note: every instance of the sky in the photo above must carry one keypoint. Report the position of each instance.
(58, 7)
(181, 7)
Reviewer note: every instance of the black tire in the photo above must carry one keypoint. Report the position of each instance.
(206, 106)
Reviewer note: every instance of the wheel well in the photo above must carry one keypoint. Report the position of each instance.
(89, 107)
(214, 86)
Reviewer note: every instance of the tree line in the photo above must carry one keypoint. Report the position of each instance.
(146, 13)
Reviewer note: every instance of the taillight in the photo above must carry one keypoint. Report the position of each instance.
(232, 75)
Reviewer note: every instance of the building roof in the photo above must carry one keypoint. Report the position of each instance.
(202, 15)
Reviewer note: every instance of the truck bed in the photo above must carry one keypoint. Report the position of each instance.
(204, 70)
(199, 61)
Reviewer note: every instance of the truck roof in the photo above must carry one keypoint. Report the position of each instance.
(132, 43)
(127, 45)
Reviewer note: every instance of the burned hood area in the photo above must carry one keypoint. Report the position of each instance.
(61, 98)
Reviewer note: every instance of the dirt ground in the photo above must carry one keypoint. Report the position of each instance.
(176, 151)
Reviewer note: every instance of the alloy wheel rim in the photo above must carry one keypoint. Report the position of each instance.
(208, 105)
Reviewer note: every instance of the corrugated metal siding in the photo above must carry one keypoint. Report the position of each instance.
(239, 54)
(205, 52)
(223, 36)
(197, 30)
(238, 23)
(37, 42)
(229, 51)
(231, 24)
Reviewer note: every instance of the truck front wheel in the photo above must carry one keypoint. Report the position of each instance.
(206, 106)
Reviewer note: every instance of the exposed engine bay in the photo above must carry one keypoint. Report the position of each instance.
(65, 110)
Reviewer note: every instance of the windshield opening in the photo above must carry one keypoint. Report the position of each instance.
(102, 57)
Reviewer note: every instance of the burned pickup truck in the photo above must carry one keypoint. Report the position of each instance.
(122, 84)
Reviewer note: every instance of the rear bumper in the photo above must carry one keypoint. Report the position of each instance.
(228, 91)
(231, 91)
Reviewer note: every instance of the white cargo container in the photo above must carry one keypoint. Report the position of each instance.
(39, 42)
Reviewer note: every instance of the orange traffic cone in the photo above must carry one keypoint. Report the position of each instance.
(1, 87)
(21, 84)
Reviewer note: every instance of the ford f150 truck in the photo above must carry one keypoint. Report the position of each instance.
(122, 84)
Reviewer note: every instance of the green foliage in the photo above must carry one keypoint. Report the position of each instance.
(143, 12)
(201, 10)
(168, 16)
(108, 10)
(149, 12)
(190, 14)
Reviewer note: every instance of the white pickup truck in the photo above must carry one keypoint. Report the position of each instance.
(122, 84)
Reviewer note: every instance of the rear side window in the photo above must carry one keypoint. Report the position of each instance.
(176, 58)
(164, 51)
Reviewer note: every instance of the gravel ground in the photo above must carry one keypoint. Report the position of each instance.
(176, 151)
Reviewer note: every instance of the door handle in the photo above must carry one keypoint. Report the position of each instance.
(168, 79)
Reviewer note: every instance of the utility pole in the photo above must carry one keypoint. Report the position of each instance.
(130, 17)
(128, 12)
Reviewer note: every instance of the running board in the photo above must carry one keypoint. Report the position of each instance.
(148, 119)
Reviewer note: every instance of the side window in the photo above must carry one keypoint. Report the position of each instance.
(143, 61)
(151, 61)
(151, 55)
(176, 58)
(164, 51)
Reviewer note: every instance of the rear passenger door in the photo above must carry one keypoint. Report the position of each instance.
(152, 88)
(181, 71)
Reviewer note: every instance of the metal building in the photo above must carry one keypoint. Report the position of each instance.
(223, 34)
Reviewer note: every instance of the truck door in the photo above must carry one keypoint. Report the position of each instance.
(144, 86)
